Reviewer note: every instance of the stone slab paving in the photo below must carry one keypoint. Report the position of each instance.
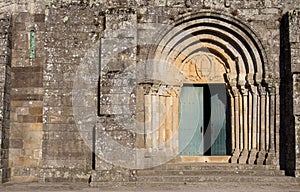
(204, 187)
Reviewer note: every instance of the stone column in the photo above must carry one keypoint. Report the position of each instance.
(175, 100)
(272, 119)
(253, 122)
(155, 121)
(271, 152)
(258, 142)
(277, 123)
(262, 152)
(267, 136)
(236, 124)
(148, 120)
(232, 126)
(169, 124)
(249, 118)
(162, 122)
(241, 126)
(244, 117)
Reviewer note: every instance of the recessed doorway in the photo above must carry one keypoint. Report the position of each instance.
(203, 120)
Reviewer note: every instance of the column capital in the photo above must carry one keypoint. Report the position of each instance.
(163, 90)
(235, 91)
(253, 89)
(175, 91)
(261, 90)
(272, 90)
(244, 90)
(146, 89)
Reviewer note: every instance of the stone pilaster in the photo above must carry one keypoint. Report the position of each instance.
(253, 125)
(5, 81)
(294, 26)
(234, 139)
(262, 131)
(271, 156)
(235, 124)
(244, 114)
(290, 113)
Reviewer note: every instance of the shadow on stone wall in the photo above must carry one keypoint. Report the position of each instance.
(287, 122)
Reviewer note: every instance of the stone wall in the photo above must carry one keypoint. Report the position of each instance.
(74, 38)
(26, 123)
(263, 17)
(289, 63)
(5, 59)
(294, 26)
(118, 53)
(71, 30)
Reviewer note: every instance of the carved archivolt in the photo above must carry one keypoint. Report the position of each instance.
(209, 48)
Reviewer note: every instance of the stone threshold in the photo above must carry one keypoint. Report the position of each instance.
(202, 159)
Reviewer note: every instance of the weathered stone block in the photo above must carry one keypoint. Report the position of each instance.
(36, 111)
(39, 18)
(16, 143)
(22, 17)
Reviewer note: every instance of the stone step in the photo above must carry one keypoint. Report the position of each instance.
(210, 172)
(209, 166)
(195, 173)
(163, 185)
(169, 185)
(113, 184)
(179, 180)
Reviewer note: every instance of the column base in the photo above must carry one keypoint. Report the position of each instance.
(244, 157)
(261, 158)
(297, 173)
(270, 158)
(235, 156)
(252, 157)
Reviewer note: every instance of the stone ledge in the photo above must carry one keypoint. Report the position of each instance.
(204, 159)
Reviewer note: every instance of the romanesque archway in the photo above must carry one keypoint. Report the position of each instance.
(210, 48)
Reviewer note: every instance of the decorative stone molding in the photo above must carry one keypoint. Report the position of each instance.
(251, 99)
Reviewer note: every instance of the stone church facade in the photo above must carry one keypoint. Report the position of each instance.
(94, 90)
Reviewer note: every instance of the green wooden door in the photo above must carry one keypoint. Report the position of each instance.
(202, 120)
(191, 121)
(218, 126)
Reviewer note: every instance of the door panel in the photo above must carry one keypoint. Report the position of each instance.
(202, 120)
(218, 126)
(191, 121)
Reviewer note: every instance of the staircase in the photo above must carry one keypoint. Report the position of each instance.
(198, 173)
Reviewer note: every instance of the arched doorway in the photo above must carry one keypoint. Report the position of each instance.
(207, 48)
(203, 116)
